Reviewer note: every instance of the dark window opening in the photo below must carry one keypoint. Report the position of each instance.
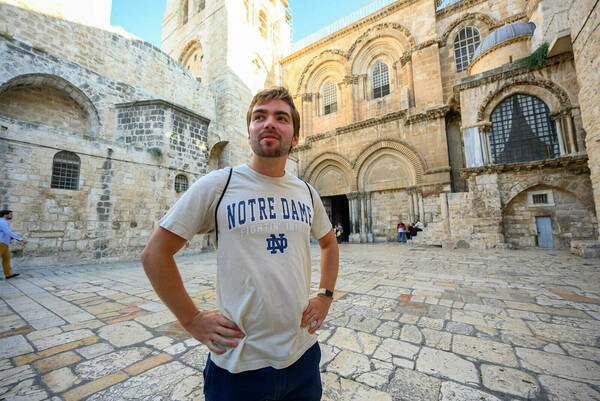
(65, 171)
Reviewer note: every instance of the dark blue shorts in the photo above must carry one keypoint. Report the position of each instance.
(298, 382)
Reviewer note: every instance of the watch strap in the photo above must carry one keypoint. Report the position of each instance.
(326, 292)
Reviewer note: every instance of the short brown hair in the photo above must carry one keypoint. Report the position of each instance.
(277, 93)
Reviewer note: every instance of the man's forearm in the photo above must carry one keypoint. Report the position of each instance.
(329, 261)
(166, 281)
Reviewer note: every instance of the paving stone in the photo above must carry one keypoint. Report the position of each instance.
(460, 328)
(389, 348)
(445, 364)
(354, 341)
(197, 356)
(61, 380)
(124, 333)
(559, 389)
(349, 364)
(110, 363)
(565, 333)
(147, 363)
(15, 375)
(491, 351)
(154, 320)
(171, 381)
(56, 361)
(43, 333)
(456, 392)
(92, 387)
(437, 339)
(60, 339)
(338, 388)
(553, 348)
(363, 323)
(161, 342)
(411, 333)
(13, 346)
(27, 390)
(582, 351)
(408, 385)
(522, 340)
(511, 381)
(94, 350)
(388, 330)
(175, 349)
(559, 365)
(436, 324)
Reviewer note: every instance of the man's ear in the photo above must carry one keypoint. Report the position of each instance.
(295, 140)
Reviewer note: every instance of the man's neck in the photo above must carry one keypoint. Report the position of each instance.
(269, 166)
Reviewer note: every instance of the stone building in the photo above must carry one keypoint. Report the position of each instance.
(415, 109)
(100, 132)
(427, 110)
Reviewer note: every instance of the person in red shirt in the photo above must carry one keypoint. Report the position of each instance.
(401, 232)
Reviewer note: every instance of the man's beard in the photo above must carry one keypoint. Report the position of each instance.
(269, 152)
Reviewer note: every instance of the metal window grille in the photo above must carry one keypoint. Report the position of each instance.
(465, 43)
(329, 98)
(539, 199)
(65, 171)
(522, 131)
(381, 80)
(262, 24)
(181, 183)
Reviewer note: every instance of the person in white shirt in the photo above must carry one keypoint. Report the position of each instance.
(262, 338)
(6, 235)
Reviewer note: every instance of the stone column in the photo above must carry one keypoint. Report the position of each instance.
(421, 208)
(485, 142)
(415, 202)
(307, 113)
(445, 218)
(411, 206)
(559, 134)
(363, 218)
(369, 219)
(350, 85)
(354, 234)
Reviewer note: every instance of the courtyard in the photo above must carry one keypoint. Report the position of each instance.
(408, 323)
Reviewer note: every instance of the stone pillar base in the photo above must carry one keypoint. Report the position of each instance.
(586, 249)
(354, 238)
(369, 237)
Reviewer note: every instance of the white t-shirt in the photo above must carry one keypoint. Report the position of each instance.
(263, 259)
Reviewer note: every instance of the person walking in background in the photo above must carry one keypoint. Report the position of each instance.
(339, 231)
(6, 235)
(401, 232)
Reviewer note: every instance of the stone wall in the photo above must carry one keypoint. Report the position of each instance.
(583, 20)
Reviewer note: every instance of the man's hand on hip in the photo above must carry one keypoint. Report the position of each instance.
(212, 329)
(315, 312)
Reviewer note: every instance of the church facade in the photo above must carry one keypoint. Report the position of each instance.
(474, 116)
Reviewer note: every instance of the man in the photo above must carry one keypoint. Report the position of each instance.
(262, 339)
(6, 235)
(401, 236)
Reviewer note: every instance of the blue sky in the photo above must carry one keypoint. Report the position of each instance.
(143, 18)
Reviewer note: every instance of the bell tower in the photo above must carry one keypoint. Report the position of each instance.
(232, 46)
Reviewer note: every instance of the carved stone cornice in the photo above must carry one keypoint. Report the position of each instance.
(301, 148)
(397, 115)
(577, 164)
(367, 21)
(456, 7)
(307, 97)
(427, 43)
(432, 114)
(405, 58)
(508, 71)
(351, 79)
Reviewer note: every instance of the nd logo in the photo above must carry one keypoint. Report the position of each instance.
(275, 244)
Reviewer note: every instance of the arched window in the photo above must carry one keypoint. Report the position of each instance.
(381, 80)
(465, 43)
(181, 183)
(329, 95)
(65, 171)
(263, 24)
(185, 12)
(522, 131)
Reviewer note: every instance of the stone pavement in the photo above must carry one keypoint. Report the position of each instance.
(407, 324)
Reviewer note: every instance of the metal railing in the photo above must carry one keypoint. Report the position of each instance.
(341, 23)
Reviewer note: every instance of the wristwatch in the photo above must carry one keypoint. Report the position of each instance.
(325, 292)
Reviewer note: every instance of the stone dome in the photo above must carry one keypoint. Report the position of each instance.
(504, 34)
